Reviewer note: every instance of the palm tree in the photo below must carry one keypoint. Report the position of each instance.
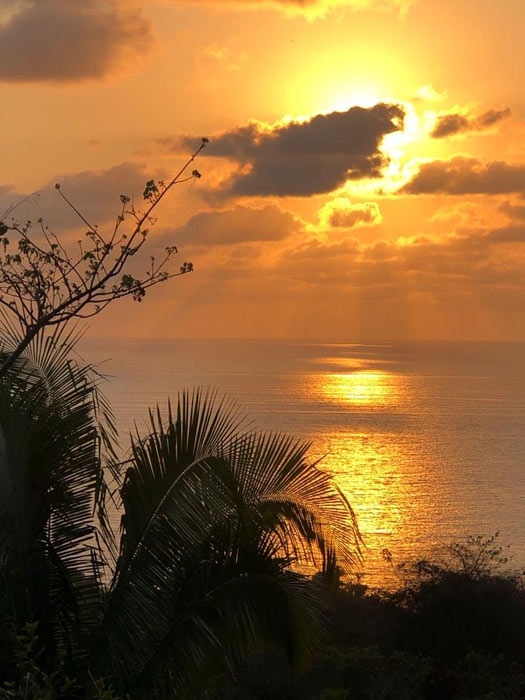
(219, 528)
(51, 485)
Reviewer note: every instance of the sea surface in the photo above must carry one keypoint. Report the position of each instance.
(426, 439)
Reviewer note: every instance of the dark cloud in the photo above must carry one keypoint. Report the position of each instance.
(305, 158)
(514, 211)
(467, 176)
(354, 216)
(456, 123)
(449, 124)
(95, 193)
(341, 213)
(68, 40)
(508, 234)
(238, 225)
(492, 116)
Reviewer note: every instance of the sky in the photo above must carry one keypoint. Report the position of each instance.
(364, 179)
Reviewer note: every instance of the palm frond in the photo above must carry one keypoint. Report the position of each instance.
(298, 497)
(209, 509)
(201, 427)
(50, 472)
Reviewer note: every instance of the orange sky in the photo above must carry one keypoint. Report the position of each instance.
(365, 176)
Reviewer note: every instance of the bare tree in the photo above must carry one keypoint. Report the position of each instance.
(43, 284)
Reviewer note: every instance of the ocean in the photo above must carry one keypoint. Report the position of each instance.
(426, 439)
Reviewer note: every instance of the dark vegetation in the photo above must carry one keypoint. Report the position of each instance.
(47, 282)
(200, 593)
(453, 629)
(214, 518)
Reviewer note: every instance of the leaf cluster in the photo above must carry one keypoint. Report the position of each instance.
(219, 528)
(46, 283)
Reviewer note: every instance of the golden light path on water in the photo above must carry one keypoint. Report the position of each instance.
(359, 388)
(371, 467)
(425, 440)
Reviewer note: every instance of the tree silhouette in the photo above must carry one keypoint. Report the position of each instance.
(45, 284)
(215, 520)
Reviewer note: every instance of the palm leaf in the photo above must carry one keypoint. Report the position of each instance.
(50, 471)
(209, 510)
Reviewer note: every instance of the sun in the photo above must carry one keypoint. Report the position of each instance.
(394, 146)
(335, 94)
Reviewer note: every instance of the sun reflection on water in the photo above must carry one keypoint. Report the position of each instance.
(370, 461)
(368, 387)
(393, 511)
(426, 441)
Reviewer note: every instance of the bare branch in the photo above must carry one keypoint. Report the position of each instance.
(43, 284)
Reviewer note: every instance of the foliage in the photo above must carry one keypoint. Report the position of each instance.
(484, 676)
(51, 473)
(201, 594)
(215, 521)
(475, 557)
(43, 283)
(449, 631)
(366, 673)
(31, 680)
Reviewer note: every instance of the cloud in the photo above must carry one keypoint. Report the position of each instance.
(303, 158)
(508, 234)
(95, 192)
(6, 190)
(460, 176)
(238, 225)
(458, 264)
(315, 249)
(456, 123)
(465, 285)
(428, 93)
(214, 54)
(513, 211)
(463, 212)
(69, 40)
(310, 8)
(341, 213)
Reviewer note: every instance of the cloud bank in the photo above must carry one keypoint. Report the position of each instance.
(460, 176)
(455, 285)
(456, 123)
(513, 211)
(95, 192)
(69, 40)
(303, 158)
(238, 225)
(341, 213)
(453, 263)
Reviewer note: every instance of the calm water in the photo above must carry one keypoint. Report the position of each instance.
(427, 440)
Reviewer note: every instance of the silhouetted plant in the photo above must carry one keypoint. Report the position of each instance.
(485, 676)
(475, 557)
(31, 680)
(43, 283)
(215, 519)
(454, 631)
